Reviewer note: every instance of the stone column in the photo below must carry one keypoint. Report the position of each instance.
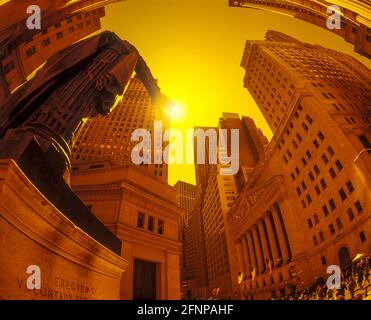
(259, 253)
(247, 255)
(272, 240)
(281, 235)
(264, 241)
(240, 257)
(251, 249)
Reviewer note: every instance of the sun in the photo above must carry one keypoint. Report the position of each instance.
(176, 111)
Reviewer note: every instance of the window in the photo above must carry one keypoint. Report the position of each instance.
(59, 35)
(362, 236)
(140, 221)
(292, 176)
(315, 143)
(69, 20)
(309, 155)
(343, 196)
(8, 67)
(339, 165)
(332, 204)
(309, 119)
(365, 142)
(304, 161)
(323, 260)
(332, 173)
(305, 127)
(160, 227)
(316, 170)
(151, 223)
(324, 159)
(311, 176)
(299, 137)
(339, 223)
(31, 51)
(304, 186)
(318, 190)
(350, 214)
(294, 144)
(309, 198)
(350, 186)
(316, 219)
(315, 241)
(323, 183)
(321, 236)
(332, 228)
(310, 224)
(358, 206)
(46, 42)
(325, 210)
(71, 29)
(57, 25)
(321, 136)
(298, 190)
(330, 151)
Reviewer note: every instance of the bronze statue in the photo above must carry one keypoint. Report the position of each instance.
(79, 82)
(39, 122)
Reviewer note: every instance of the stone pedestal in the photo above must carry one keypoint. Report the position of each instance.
(33, 232)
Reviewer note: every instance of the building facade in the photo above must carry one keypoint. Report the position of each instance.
(218, 194)
(110, 137)
(355, 17)
(23, 50)
(307, 203)
(186, 197)
(142, 212)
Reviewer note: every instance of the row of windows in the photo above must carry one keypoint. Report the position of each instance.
(59, 35)
(150, 223)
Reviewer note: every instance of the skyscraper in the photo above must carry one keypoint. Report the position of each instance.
(355, 17)
(109, 137)
(186, 197)
(23, 50)
(305, 206)
(218, 194)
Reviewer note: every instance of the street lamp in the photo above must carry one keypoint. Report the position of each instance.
(359, 154)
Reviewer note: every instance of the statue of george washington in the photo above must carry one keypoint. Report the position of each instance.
(40, 121)
(79, 82)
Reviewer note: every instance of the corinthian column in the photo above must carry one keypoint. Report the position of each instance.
(259, 253)
(272, 240)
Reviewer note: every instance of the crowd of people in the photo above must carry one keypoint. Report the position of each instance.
(355, 285)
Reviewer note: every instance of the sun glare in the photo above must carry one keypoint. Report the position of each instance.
(176, 111)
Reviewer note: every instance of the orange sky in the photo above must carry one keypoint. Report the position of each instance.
(194, 48)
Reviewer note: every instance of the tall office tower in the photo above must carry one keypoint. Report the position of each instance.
(355, 24)
(109, 137)
(307, 202)
(218, 194)
(186, 197)
(23, 50)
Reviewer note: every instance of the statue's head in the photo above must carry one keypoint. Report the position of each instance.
(108, 92)
(110, 87)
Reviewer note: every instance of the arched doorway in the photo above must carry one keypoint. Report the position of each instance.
(344, 257)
